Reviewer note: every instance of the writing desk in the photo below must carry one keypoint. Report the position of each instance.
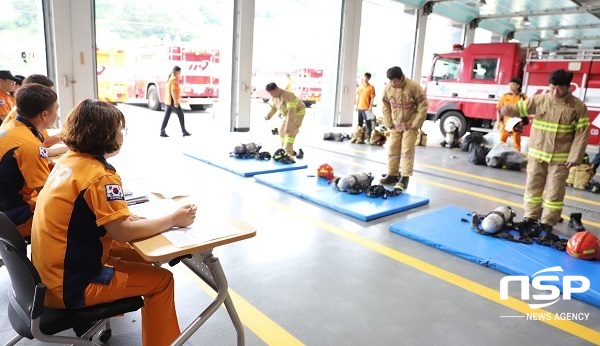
(206, 266)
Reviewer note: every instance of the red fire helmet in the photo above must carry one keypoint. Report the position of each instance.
(584, 245)
(325, 171)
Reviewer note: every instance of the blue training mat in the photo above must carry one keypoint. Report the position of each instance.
(318, 191)
(243, 167)
(444, 230)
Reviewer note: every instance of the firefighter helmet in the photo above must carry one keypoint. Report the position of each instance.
(325, 171)
(584, 245)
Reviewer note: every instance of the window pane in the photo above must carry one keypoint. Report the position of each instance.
(138, 42)
(299, 38)
(485, 69)
(22, 35)
(446, 68)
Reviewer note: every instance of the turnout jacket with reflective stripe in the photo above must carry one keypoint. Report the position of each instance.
(288, 103)
(560, 129)
(404, 108)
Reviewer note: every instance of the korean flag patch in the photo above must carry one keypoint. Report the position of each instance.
(43, 151)
(114, 192)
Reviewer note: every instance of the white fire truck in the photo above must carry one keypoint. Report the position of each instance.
(150, 65)
(465, 85)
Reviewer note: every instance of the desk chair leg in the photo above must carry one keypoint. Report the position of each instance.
(209, 269)
(14, 340)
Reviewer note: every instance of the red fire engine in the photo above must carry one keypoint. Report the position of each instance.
(464, 86)
(150, 66)
(304, 83)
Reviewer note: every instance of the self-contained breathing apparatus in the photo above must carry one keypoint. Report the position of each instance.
(500, 222)
(361, 182)
(497, 224)
(451, 139)
(250, 151)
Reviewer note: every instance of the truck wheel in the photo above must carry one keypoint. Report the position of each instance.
(265, 100)
(308, 103)
(198, 107)
(153, 100)
(455, 118)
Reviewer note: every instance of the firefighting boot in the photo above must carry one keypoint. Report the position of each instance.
(575, 223)
(389, 179)
(402, 184)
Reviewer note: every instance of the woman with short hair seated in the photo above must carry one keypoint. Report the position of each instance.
(79, 213)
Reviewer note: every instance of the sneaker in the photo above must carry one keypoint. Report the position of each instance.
(300, 154)
(185, 134)
(389, 179)
(163, 134)
(575, 223)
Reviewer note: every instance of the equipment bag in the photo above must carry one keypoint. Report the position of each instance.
(580, 176)
(421, 138)
(477, 153)
(475, 137)
(501, 155)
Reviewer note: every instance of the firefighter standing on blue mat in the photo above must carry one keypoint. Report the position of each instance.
(404, 112)
(558, 139)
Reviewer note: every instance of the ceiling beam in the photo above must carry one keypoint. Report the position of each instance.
(563, 39)
(563, 27)
(571, 10)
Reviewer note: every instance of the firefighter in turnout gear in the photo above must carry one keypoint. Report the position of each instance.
(404, 111)
(293, 111)
(559, 135)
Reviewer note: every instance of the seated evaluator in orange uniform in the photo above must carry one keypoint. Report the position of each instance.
(24, 163)
(79, 213)
(48, 140)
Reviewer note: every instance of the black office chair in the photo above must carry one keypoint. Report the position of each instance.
(26, 311)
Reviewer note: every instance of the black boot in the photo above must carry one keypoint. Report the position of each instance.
(575, 223)
(389, 179)
(402, 184)
(300, 154)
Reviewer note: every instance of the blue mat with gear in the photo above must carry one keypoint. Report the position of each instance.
(243, 167)
(443, 229)
(318, 191)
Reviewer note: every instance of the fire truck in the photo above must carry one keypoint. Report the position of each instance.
(110, 71)
(150, 66)
(464, 86)
(304, 83)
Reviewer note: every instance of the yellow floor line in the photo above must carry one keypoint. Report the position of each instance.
(260, 324)
(480, 195)
(570, 327)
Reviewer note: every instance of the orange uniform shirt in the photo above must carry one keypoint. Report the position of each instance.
(70, 246)
(13, 114)
(7, 102)
(510, 99)
(24, 166)
(365, 94)
(172, 90)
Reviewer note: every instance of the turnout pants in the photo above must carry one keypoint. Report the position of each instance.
(288, 132)
(553, 177)
(135, 277)
(401, 152)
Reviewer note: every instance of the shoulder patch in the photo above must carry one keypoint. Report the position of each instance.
(114, 192)
(43, 151)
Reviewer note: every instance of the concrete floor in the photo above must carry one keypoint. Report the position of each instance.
(314, 276)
